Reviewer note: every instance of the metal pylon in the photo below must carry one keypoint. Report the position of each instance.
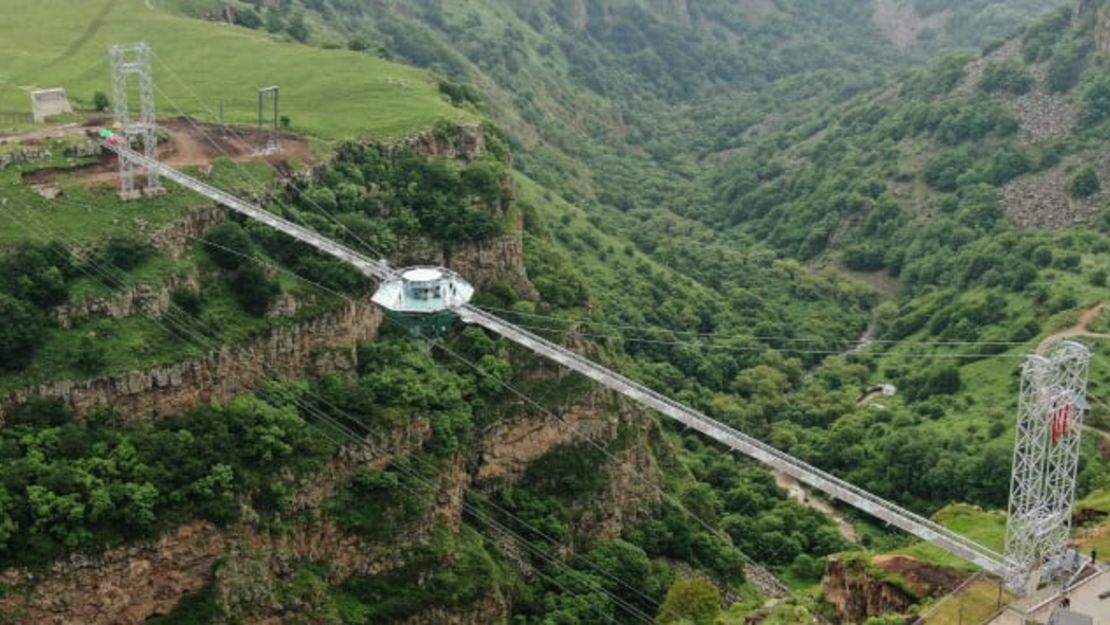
(1046, 458)
(127, 61)
(267, 137)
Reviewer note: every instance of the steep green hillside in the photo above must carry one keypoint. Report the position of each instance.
(613, 102)
(974, 189)
(329, 93)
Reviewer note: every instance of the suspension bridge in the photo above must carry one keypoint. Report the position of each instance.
(1032, 546)
(921, 527)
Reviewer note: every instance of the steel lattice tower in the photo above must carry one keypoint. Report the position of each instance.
(127, 61)
(1046, 459)
(268, 140)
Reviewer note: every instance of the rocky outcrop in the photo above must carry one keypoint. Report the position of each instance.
(482, 263)
(125, 585)
(450, 142)
(900, 22)
(1094, 14)
(491, 610)
(508, 447)
(318, 346)
(1043, 200)
(174, 239)
(858, 587)
(152, 300)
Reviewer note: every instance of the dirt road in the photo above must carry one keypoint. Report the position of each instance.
(1080, 329)
(798, 493)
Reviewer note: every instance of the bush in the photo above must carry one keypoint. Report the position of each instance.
(187, 300)
(254, 289)
(36, 274)
(1095, 102)
(125, 251)
(1086, 183)
(248, 18)
(101, 102)
(936, 380)
(1008, 76)
(693, 601)
(229, 246)
(20, 335)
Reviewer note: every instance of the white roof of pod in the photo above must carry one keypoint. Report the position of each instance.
(422, 274)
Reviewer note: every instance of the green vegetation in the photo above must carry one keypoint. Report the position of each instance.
(1085, 183)
(332, 94)
(1009, 76)
(690, 601)
(79, 486)
(985, 528)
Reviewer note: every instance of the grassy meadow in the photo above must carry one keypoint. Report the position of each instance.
(332, 94)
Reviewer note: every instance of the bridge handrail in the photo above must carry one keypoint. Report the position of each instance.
(825, 482)
(370, 267)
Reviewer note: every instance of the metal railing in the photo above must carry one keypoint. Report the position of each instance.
(368, 266)
(877, 507)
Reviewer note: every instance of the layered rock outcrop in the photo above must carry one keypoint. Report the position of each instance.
(1094, 14)
(861, 587)
(318, 346)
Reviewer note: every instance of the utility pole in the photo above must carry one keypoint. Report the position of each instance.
(127, 61)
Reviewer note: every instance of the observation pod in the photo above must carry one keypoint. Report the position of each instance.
(421, 298)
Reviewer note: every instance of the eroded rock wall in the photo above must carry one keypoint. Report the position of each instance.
(318, 346)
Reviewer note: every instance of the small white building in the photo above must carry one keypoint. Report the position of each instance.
(49, 102)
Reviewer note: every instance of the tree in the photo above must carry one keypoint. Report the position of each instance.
(298, 29)
(20, 335)
(91, 355)
(1086, 183)
(248, 18)
(690, 600)
(1008, 75)
(229, 245)
(274, 23)
(101, 102)
(125, 251)
(254, 289)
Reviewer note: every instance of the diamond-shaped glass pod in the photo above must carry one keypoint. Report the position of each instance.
(421, 298)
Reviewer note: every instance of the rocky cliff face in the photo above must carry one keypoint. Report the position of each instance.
(152, 300)
(247, 564)
(859, 588)
(130, 584)
(1094, 14)
(318, 346)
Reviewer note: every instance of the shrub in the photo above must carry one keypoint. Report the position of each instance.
(229, 245)
(254, 289)
(1086, 183)
(101, 102)
(125, 251)
(187, 300)
(20, 335)
(1008, 76)
(693, 601)
(1095, 101)
(936, 380)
